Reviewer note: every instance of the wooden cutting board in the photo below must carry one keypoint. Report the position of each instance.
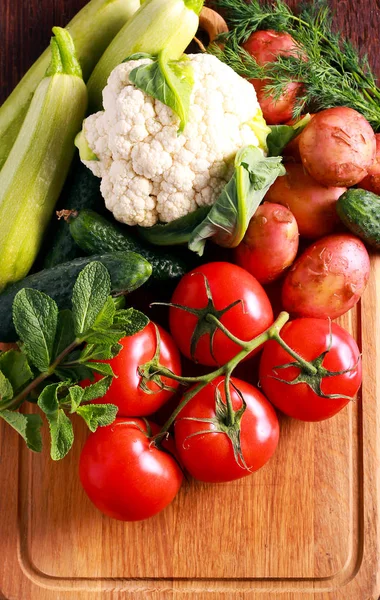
(305, 527)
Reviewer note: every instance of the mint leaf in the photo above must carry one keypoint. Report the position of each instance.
(35, 318)
(65, 333)
(74, 373)
(98, 415)
(105, 317)
(102, 368)
(15, 367)
(28, 426)
(110, 337)
(90, 294)
(76, 395)
(6, 389)
(170, 81)
(48, 399)
(97, 390)
(118, 301)
(131, 320)
(100, 351)
(62, 434)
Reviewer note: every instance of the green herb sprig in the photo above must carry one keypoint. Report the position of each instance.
(58, 349)
(333, 73)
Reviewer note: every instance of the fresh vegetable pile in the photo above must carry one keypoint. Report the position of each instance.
(230, 157)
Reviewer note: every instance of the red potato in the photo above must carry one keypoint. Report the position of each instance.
(276, 111)
(270, 244)
(372, 181)
(312, 204)
(338, 147)
(265, 47)
(328, 279)
(292, 150)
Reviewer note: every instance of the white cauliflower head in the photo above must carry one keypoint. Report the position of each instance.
(151, 173)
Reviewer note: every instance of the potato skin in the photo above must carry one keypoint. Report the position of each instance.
(278, 111)
(265, 47)
(312, 204)
(328, 278)
(338, 147)
(270, 244)
(291, 152)
(371, 183)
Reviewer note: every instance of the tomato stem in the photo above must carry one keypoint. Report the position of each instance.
(212, 319)
(271, 333)
(309, 368)
(227, 391)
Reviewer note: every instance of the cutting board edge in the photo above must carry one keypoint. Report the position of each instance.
(28, 582)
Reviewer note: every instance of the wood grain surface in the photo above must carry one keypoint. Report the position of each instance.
(306, 527)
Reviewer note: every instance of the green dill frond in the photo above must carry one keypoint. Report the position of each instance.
(334, 74)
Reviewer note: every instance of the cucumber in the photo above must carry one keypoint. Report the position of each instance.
(95, 235)
(360, 212)
(81, 191)
(128, 271)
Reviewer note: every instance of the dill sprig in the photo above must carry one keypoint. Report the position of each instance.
(334, 74)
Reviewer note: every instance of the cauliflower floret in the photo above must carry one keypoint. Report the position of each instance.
(149, 172)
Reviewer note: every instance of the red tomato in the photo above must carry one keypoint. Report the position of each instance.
(125, 475)
(270, 244)
(137, 350)
(228, 283)
(309, 338)
(210, 456)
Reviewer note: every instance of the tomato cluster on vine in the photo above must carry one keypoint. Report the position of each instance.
(224, 428)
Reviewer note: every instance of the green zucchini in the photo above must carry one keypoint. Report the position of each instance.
(127, 270)
(360, 212)
(35, 170)
(92, 29)
(81, 191)
(94, 235)
(158, 25)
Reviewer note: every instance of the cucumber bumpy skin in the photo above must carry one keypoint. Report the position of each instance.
(128, 271)
(94, 235)
(360, 212)
(80, 191)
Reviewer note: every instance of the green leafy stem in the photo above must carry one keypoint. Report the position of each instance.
(58, 349)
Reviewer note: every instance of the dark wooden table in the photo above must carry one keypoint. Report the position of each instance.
(25, 27)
